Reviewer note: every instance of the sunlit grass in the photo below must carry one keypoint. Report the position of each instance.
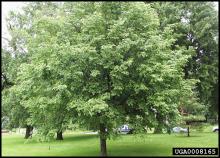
(77, 144)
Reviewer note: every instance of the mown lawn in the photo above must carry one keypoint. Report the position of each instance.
(77, 144)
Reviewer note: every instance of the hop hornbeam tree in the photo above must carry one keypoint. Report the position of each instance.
(124, 69)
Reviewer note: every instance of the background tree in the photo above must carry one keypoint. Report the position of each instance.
(20, 26)
(11, 108)
(46, 93)
(195, 25)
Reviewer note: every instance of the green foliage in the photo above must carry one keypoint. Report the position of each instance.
(196, 25)
(125, 57)
(33, 101)
(194, 118)
(110, 63)
(12, 108)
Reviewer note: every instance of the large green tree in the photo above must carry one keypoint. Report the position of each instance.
(123, 66)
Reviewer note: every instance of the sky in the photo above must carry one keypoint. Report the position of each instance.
(6, 8)
(16, 6)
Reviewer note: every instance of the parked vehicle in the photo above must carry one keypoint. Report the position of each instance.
(125, 129)
(180, 129)
(215, 129)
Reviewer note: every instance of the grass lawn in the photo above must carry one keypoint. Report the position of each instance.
(77, 144)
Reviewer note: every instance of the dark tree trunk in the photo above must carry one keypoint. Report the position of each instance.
(59, 135)
(188, 132)
(103, 151)
(168, 130)
(206, 118)
(158, 129)
(29, 130)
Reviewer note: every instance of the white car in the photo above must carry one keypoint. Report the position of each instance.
(215, 129)
(125, 129)
(179, 129)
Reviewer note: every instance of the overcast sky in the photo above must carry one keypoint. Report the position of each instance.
(16, 6)
(6, 8)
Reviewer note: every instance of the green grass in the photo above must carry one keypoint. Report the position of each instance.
(77, 144)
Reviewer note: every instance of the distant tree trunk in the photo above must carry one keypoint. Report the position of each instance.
(29, 130)
(187, 131)
(103, 151)
(158, 129)
(206, 118)
(168, 130)
(59, 135)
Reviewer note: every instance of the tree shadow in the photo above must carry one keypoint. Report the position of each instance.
(185, 136)
(79, 137)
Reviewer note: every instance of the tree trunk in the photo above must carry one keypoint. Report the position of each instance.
(188, 132)
(59, 135)
(158, 129)
(103, 151)
(206, 118)
(168, 130)
(28, 133)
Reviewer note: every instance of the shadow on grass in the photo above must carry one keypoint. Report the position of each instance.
(184, 136)
(66, 138)
(69, 138)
